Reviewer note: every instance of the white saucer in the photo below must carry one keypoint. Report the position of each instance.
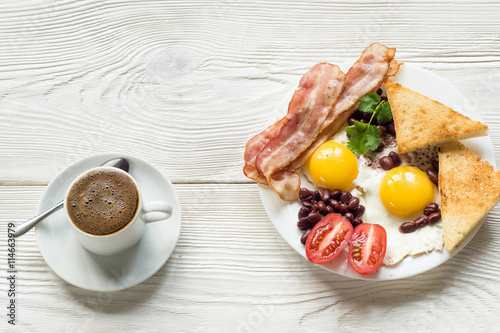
(73, 263)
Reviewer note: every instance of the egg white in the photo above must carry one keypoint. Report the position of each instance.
(366, 187)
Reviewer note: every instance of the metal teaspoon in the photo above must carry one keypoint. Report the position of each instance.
(23, 228)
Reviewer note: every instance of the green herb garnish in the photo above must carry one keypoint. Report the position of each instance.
(364, 137)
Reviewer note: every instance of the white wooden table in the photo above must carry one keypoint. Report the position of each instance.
(184, 85)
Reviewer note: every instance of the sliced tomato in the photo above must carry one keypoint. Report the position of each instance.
(328, 239)
(367, 248)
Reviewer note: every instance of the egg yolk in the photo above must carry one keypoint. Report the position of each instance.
(406, 190)
(334, 166)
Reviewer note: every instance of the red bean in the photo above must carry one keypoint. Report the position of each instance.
(433, 176)
(407, 227)
(305, 194)
(314, 217)
(382, 129)
(349, 217)
(304, 224)
(353, 204)
(335, 205)
(303, 212)
(359, 211)
(306, 233)
(434, 218)
(391, 129)
(357, 221)
(343, 208)
(395, 158)
(420, 221)
(325, 196)
(345, 197)
(321, 207)
(335, 194)
(386, 163)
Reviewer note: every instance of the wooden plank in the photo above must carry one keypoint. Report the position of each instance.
(193, 81)
(231, 271)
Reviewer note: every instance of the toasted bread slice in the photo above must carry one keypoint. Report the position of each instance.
(468, 188)
(421, 122)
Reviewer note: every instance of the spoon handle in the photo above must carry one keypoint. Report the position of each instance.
(25, 226)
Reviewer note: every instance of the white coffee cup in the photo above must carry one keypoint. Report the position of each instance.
(127, 236)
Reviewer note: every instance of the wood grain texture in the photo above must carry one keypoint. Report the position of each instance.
(192, 82)
(184, 85)
(232, 272)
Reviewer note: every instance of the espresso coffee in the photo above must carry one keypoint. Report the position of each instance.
(102, 201)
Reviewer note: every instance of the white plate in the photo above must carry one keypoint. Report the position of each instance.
(73, 263)
(284, 215)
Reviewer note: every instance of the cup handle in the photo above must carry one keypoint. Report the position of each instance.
(156, 211)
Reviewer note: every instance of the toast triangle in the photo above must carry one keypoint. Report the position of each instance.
(421, 122)
(468, 188)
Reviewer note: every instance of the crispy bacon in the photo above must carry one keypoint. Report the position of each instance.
(255, 145)
(367, 74)
(274, 155)
(318, 91)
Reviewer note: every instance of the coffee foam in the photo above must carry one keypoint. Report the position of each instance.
(102, 201)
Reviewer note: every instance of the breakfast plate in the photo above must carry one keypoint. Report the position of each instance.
(284, 214)
(84, 269)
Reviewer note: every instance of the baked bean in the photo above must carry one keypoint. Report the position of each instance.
(306, 233)
(303, 212)
(345, 197)
(359, 211)
(353, 204)
(407, 227)
(343, 208)
(325, 196)
(433, 176)
(434, 218)
(386, 163)
(395, 158)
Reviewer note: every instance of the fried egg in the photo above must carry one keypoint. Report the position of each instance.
(390, 197)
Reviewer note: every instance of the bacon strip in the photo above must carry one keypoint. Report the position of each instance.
(255, 145)
(367, 74)
(315, 97)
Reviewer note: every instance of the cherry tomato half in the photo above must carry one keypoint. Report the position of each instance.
(367, 248)
(328, 238)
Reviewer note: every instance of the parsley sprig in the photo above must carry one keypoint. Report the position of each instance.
(364, 137)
